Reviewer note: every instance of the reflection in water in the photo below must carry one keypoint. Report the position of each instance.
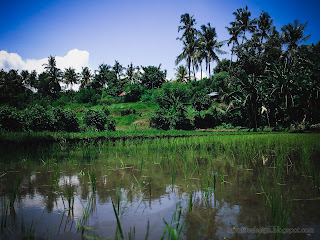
(68, 194)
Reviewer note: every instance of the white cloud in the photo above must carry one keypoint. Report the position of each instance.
(75, 58)
(198, 75)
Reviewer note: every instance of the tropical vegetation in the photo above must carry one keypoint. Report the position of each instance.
(271, 80)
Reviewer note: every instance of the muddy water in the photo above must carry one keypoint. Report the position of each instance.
(147, 188)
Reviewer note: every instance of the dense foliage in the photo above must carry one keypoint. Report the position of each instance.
(272, 80)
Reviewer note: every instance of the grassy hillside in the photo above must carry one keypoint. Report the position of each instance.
(127, 115)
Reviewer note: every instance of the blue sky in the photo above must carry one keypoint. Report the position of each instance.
(142, 32)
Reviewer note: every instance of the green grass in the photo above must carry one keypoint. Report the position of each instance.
(20, 137)
(143, 113)
(138, 106)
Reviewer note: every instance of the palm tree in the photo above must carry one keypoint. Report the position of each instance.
(32, 79)
(188, 23)
(188, 51)
(130, 72)
(189, 41)
(70, 76)
(292, 34)
(54, 75)
(200, 55)
(86, 77)
(181, 73)
(210, 45)
(264, 26)
(235, 33)
(118, 68)
(244, 22)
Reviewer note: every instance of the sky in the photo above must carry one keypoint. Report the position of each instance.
(88, 33)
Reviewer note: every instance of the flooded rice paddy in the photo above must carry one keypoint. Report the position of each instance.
(210, 187)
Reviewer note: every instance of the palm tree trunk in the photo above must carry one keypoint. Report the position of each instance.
(194, 73)
(189, 70)
(209, 70)
(231, 56)
(201, 70)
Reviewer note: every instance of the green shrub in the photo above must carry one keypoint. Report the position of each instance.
(148, 95)
(160, 121)
(107, 100)
(208, 121)
(182, 123)
(201, 101)
(87, 96)
(64, 120)
(96, 119)
(10, 120)
(134, 93)
(111, 125)
(37, 119)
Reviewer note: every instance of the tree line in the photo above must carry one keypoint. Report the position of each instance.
(272, 79)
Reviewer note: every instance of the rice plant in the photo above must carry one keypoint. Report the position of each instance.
(69, 194)
(93, 181)
(118, 222)
(174, 229)
(15, 190)
(190, 203)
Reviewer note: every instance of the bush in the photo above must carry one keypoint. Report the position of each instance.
(182, 123)
(87, 96)
(64, 120)
(10, 120)
(96, 119)
(208, 121)
(106, 110)
(111, 125)
(160, 121)
(148, 96)
(134, 93)
(201, 101)
(37, 119)
(107, 100)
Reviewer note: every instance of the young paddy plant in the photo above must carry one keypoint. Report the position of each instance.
(69, 194)
(119, 227)
(279, 207)
(56, 178)
(222, 177)
(15, 190)
(87, 210)
(149, 184)
(4, 214)
(173, 176)
(28, 232)
(190, 202)
(175, 228)
(315, 175)
(93, 181)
